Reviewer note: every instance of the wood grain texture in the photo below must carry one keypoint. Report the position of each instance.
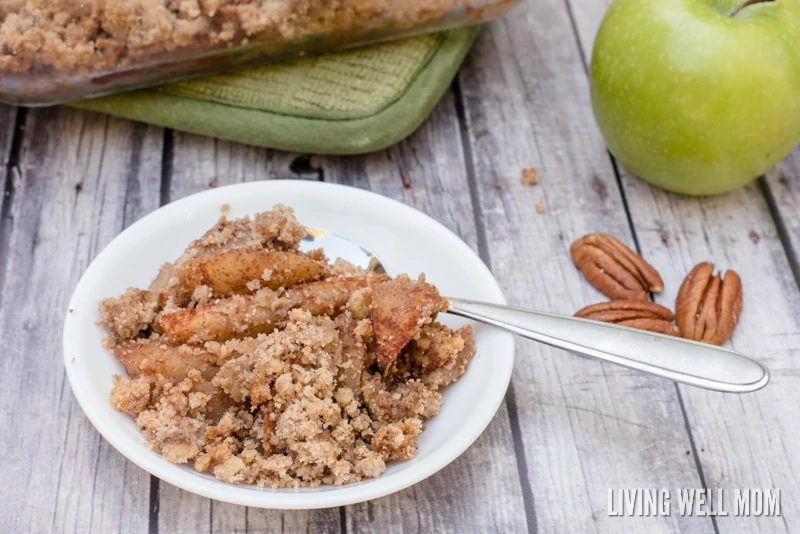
(782, 190)
(573, 427)
(760, 427)
(80, 179)
(736, 231)
(586, 426)
(8, 117)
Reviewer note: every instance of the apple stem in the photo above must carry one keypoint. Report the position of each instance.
(744, 4)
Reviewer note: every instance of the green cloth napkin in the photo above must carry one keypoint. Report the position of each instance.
(349, 102)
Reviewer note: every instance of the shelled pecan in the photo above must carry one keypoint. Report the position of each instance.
(614, 269)
(641, 314)
(708, 306)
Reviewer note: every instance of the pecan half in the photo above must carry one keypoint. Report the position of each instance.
(641, 314)
(708, 306)
(614, 269)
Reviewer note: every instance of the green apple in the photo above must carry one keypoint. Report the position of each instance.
(698, 96)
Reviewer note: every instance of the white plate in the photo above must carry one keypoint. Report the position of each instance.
(404, 239)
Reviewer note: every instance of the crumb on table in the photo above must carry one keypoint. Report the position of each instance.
(541, 207)
(530, 176)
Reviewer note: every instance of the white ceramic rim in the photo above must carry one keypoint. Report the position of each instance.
(326, 496)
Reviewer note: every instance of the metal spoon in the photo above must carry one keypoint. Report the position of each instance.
(696, 364)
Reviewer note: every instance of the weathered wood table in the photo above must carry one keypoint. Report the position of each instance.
(570, 429)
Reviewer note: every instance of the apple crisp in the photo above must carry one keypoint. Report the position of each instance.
(261, 364)
(85, 36)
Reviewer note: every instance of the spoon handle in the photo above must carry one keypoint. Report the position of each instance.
(681, 360)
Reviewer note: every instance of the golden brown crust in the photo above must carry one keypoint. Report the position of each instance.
(83, 36)
(130, 396)
(398, 441)
(130, 314)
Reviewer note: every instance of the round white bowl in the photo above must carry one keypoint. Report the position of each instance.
(404, 239)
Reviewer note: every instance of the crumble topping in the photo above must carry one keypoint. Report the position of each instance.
(85, 36)
(322, 379)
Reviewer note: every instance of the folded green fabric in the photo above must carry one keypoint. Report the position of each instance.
(349, 102)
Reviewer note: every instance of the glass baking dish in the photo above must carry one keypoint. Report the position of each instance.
(55, 51)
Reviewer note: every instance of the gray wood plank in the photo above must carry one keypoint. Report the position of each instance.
(742, 441)
(586, 426)
(260, 521)
(80, 179)
(782, 187)
(479, 491)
